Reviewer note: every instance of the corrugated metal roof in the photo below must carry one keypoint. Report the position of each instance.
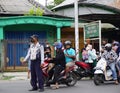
(20, 6)
(103, 2)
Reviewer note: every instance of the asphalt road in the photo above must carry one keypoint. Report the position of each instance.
(83, 86)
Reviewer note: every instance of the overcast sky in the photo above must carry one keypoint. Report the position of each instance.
(43, 1)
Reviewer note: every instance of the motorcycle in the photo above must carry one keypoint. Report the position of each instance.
(103, 72)
(83, 70)
(70, 80)
(45, 71)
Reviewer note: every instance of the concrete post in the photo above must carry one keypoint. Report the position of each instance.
(76, 29)
(1, 33)
(1, 49)
(58, 34)
(2, 53)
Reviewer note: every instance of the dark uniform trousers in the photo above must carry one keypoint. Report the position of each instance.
(36, 74)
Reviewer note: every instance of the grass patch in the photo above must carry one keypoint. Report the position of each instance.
(7, 77)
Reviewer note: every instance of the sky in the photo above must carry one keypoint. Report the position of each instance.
(43, 1)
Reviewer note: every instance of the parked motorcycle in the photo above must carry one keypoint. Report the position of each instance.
(102, 72)
(83, 70)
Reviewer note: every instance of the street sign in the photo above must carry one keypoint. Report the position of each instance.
(91, 30)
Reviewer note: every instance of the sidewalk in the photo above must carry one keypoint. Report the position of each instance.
(15, 75)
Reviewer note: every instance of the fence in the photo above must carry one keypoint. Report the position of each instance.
(16, 49)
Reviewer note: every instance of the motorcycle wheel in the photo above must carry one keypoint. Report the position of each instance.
(97, 80)
(77, 75)
(81, 72)
(73, 79)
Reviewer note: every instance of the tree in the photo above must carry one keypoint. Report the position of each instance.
(35, 12)
(54, 3)
(57, 2)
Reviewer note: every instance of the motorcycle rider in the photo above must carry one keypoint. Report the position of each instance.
(91, 56)
(69, 55)
(118, 63)
(116, 48)
(111, 57)
(59, 63)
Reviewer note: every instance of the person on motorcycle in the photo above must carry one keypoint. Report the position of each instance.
(111, 56)
(59, 62)
(116, 48)
(91, 56)
(69, 56)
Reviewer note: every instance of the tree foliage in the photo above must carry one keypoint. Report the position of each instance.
(54, 3)
(57, 2)
(35, 12)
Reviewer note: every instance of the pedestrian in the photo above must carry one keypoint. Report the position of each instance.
(36, 55)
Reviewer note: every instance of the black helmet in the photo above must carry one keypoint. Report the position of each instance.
(34, 36)
(108, 47)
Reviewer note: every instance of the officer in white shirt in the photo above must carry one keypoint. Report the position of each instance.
(36, 55)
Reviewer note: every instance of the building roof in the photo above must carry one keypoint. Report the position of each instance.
(88, 5)
(69, 2)
(20, 6)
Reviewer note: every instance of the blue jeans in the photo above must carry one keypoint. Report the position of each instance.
(118, 64)
(113, 68)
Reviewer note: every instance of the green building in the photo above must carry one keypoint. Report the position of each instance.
(92, 10)
(16, 28)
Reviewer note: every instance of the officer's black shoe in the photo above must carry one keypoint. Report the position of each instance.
(41, 90)
(33, 89)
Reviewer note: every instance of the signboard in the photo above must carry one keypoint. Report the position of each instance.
(91, 30)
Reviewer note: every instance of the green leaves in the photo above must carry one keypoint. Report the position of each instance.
(57, 2)
(35, 12)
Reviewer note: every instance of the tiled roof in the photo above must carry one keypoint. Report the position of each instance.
(20, 6)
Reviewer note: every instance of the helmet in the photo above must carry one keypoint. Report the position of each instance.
(67, 43)
(116, 43)
(58, 45)
(108, 47)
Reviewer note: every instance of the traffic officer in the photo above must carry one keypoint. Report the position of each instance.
(36, 55)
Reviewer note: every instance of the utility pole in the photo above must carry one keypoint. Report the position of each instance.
(46, 3)
(76, 29)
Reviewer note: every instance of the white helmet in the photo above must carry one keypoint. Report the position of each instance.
(108, 46)
(68, 42)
